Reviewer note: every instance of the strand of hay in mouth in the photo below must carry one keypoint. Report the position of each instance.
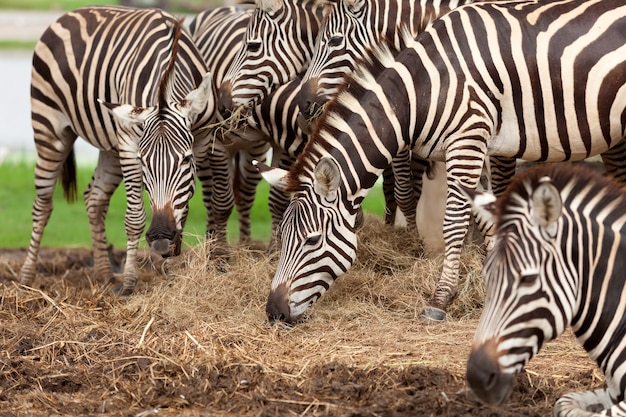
(221, 129)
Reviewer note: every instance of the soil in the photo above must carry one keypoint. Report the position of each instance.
(69, 347)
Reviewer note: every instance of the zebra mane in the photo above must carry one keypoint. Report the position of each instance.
(167, 79)
(574, 176)
(355, 85)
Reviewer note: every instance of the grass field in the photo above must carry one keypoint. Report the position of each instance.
(68, 225)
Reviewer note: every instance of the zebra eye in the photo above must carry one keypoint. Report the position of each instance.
(254, 46)
(313, 239)
(335, 41)
(527, 278)
(187, 158)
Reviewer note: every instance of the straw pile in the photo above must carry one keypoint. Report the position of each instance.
(194, 340)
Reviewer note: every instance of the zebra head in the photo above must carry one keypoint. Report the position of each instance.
(277, 46)
(318, 239)
(530, 290)
(343, 38)
(160, 141)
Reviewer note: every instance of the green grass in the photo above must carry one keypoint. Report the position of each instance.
(68, 225)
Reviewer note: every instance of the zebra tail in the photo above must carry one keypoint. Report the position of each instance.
(68, 177)
(431, 170)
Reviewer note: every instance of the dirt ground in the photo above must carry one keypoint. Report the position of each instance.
(193, 341)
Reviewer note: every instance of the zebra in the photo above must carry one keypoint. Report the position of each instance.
(277, 47)
(276, 120)
(125, 80)
(349, 31)
(555, 262)
(469, 86)
(218, 32)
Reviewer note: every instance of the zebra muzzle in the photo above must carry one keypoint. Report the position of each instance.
(484, 377)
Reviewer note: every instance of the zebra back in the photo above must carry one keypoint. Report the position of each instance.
(557, 262)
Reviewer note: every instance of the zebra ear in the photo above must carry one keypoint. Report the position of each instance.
(198, 99)
(327, 178)
(275, 176)
(355, 5)
(127, 114)
(269, 6)
(483, 205)
(546, 205)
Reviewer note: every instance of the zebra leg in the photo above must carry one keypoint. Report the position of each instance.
(134, 222)
(587, 404)
(105, 180)
(278, 200)
(221, 199)
(55, 157)
(456, 221)
(247, 177)
(388, 191)
(404, 192)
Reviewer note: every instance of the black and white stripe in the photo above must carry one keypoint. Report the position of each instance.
(532, 80)
(557, 262)
(350, 31)
(125, 80)
(277, 47)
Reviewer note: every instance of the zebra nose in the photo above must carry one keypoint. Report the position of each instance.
(277, 307)
(484, 377)
(225, 99)
(162, 236)
(309, 102)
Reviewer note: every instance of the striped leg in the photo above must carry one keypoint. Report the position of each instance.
(403, 189)
(278, 200)
(134, 222)
(247, 177)
(455, 225)
(54, 159)
(220, 199)
(105, 180)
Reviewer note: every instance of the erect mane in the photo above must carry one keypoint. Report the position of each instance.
(355, 85)
(167, 78)
(576, 175)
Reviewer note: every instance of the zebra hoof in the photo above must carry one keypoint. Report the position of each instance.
(433, 315)
(122, 291)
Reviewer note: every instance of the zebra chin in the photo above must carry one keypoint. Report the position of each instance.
(484, 377)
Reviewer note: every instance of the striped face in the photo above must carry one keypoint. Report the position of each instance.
(530, 290)
(344, 37)
(318, 246)
(277, 46)
(169, 174)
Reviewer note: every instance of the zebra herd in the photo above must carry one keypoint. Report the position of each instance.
(345, 91)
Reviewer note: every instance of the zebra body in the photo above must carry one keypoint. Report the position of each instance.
(230, 178)
(278, 45)
(557, 262)
(469, 86)
(350, 31)
(125, 80)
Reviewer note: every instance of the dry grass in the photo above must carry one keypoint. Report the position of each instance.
(194, 340)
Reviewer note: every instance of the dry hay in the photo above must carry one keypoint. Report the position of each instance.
(194, 340)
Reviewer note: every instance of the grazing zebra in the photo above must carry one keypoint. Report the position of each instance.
(556, 262)
(349, 31)
(125, 80)
(277, 47)
(532, 80)
(218, 33)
